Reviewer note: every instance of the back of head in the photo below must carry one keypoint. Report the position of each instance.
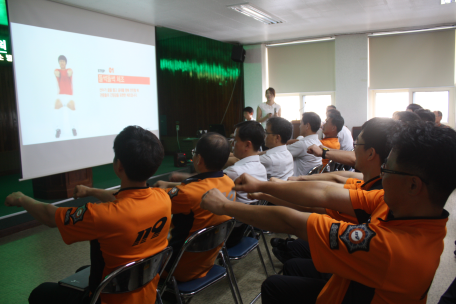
(336, 119)
(251, 131)
(214, 149)
(413, 107)
(248, 110)
(313, 119)
(425, 115)
(376, 134)
(430, 153)
(406, 116)
(139, 151)
(282, 127)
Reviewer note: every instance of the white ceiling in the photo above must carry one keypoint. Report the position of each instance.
(302, 18)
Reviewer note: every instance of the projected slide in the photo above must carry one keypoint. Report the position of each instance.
(73, 86)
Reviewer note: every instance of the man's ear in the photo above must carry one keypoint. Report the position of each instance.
(372, 154)
(415, 185)
(200, 160)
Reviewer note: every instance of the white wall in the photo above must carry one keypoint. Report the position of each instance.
(352, 72)
(255, 76)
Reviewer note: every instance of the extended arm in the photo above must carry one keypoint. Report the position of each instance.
(101, 194)
(42, 212)
(308, 194)
(273, 218)
(279, 202)
(340, 177)
(339, 156)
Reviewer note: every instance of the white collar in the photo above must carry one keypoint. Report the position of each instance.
(248, 159)
(277, 149)
(311, 136)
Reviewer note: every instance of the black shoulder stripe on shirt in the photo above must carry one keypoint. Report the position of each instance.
(362, 216)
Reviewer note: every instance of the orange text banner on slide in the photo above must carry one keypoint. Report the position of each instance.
(123, 79)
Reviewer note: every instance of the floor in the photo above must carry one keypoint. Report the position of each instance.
(38, 255)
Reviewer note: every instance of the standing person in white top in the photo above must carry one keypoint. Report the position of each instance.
(248, 138)
(303, 161)
(278, 161)
(269, 108)
(345, 136)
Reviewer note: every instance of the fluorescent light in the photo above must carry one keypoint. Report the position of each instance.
(301, 41)
(250, 11)
(414, 31)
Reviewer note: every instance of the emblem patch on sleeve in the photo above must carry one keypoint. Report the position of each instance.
(357, 237)
(333, 236)
(67, 216)
(78, 215)
(173, 192)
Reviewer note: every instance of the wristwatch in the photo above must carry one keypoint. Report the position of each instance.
(323, 155)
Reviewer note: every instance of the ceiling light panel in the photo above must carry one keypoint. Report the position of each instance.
(255, 13)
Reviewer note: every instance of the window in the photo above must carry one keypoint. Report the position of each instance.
(434, 101)
(317, 104)
(388, 103)
(290, 106)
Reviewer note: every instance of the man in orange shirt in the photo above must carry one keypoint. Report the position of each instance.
(130, 224)
(332, 126)
(392, 258)
(209, 156)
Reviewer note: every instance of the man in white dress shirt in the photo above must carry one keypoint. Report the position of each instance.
(345, 136)
(278, 161)
(248, 138)
(303, 161)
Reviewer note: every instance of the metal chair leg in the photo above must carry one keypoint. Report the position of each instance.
(176, 291)
(256, 298)
(267, 251)
(262, 261)
(230, 274)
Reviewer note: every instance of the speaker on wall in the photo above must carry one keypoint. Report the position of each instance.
(238, 53)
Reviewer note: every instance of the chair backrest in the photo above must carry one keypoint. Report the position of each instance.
(315, 170)
(133, 275)
(206, 239)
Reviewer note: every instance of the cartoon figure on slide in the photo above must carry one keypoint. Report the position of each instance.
(64, 103)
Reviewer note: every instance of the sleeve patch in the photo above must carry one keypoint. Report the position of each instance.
(333, 234)
(357, 237)
(173, 192)
(78, 215)
(67, 216)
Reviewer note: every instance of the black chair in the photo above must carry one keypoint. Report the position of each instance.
(201, 241)
(134, 275)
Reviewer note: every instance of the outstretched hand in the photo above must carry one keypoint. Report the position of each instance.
(161, 184)
(14, 199)
(214, 201)
(315, 150)
(80, 191)
(247, 184)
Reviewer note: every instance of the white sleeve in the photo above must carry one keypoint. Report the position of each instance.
(266, 161)
(231, 172)
(297, 149)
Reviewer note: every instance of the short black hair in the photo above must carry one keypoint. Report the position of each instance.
(214, 149)
(251, 131)
(336, 119)
(61, 57)
(405, 116)
(139, 151)
(425, 115)
(440, 113)
(413, 107)
(331, 106)
(282, 127)
(313, 119)
(248, 109)
(430, 153)
(377, 134)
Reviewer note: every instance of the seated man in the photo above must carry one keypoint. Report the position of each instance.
(438, 118)
(277, 160)
(209, 156)
(332, 126)
(248, 138)
(413, 107)
(405, 116)
(380, 261)
(371, 149)
(113, 227)
(345, 136)
(303, 161)
(426, 115)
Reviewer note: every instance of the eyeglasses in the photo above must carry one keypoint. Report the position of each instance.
(194, 152)
(267, 133)
(383, 170)
(356, 144)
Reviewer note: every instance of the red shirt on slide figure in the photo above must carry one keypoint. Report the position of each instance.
(65, 81)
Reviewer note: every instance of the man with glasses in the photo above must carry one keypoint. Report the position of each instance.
(277, 160)
(392, 258)
(209, 156)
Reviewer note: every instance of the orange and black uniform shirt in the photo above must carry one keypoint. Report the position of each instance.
(132, 227)
(386, 260)
(188, 218)
(357, 184)
(332, 143)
